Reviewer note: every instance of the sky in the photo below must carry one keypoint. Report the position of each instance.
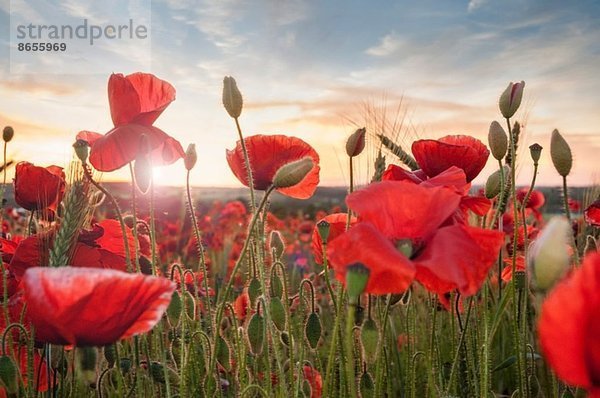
(316, 70)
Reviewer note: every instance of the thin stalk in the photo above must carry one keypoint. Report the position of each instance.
(379, 369)
(238, 263)
(248, 168)
(134, 217)
(200, 246)
(349, 340)
(568, 214)
(515, 321)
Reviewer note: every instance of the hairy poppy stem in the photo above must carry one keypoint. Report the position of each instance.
(521, 371)
(349, 340)
(238, 263)
(248, 167)
(134, 218)
(568, 214)
(200, 246)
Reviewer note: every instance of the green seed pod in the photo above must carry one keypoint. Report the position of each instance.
(323, 228)
(82, 150)
(520, 280)
(223, 353)
(110, 354)
(560, 152)
(278, 313)
(292, 173)
(312, 330)
(254, 291)
(174, 309)
(9, 375)
(369, 337)
(535, 150)
(276, 286)
(232, 97)
(357, 277)
(498, 140)
(157, 372)
(255, 332)
(367, 386)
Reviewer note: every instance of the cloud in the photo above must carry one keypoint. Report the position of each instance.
(475, 4)
(388, 45)
(35, 85)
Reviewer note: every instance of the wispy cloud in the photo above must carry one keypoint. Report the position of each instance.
(475, 4)
(389, 44)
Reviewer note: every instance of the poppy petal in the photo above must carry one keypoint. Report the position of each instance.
(390, 271)
(96, 307)
(401, 209)
(88, 136)
(261, 150)
(464, 152)
(458, 257)
(569, 325)
(138, 98)
(592, 214)
(121, 145)
(337, 226)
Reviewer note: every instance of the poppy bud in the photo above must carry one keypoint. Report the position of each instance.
(174, 309)
(369, 337)
(232, 98)
(8, 133)
(276, 286)
(356, 142)
(254, 290)
(536, 151)
(190, 157)
(312, 330)
(510, 100)
(277, 313)
(292, 173)
(9, 374)
(549, 255)
(367, 386)
(142, 170)
(157, 372)
(82, 150)
(222, 353)
(323, 228)
(277, 244)
(255, 332)
(357, 277)
(285, 338)
(560, 152)
(190, 304)
(492, 185)
(125, 365)
(497, 140)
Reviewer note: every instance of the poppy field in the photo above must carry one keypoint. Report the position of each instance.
(417, 284)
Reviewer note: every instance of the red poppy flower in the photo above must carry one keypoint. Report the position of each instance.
(315, 380)
(268, 153)
(136, 101)
(462, 151)
(519, 266)
(569, 327)
(453, 178)
(93, 307)
(37, 187)
(399, 233)
(101, 247)
(337, 226)
(592, 214)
